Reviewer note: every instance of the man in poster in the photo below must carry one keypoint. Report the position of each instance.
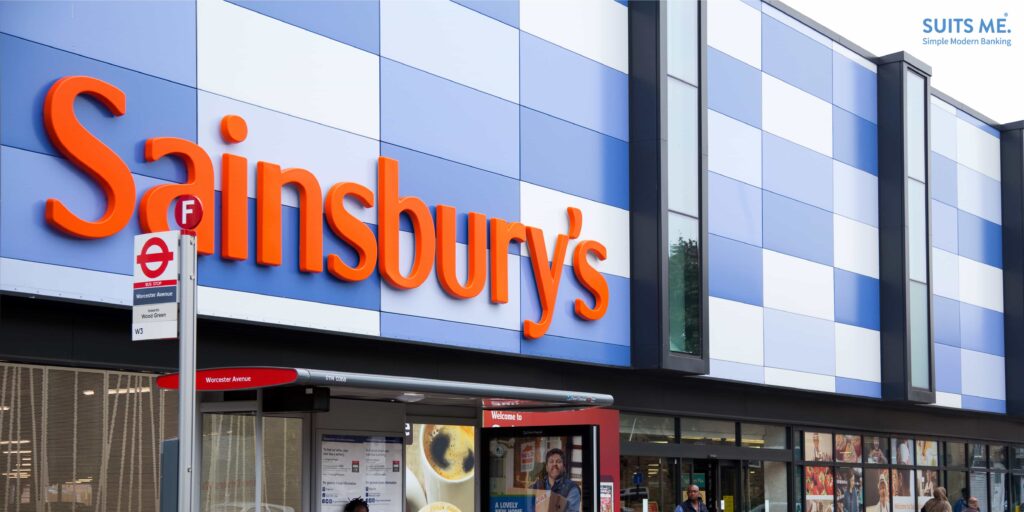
(556, 479)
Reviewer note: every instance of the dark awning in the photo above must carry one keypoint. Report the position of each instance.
(392, 388)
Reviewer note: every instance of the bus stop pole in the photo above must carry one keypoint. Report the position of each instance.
(188, 473)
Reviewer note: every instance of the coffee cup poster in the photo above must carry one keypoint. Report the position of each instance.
(440, 472)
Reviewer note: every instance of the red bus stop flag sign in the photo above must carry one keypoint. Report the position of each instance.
(188, 211)
(155, 286)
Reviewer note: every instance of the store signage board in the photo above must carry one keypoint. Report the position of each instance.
(368, 467)
(155, 286)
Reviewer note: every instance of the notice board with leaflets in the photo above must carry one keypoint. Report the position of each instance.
(351, 466)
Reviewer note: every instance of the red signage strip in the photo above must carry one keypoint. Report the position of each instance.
(155, 284)
(227, 379)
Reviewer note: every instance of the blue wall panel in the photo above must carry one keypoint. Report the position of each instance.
(944, 226)
(942, 173)
(734, 209)
(946, 319)
(797, 229)
(569, 86)
(452, 334)
(795, 58)
(154, 107)
(858, 387)
(854, 141)
(796, 172)
(434, 115)
(854, 88)
(734, 88)
(947, 369)
(505, 11)
(563, 156)
(788, 334)
(981, 329)
(857, 300)
(576, 350)
(356, 23)
(979, 239)
(976, 403)
(156, 38)
(735, 271)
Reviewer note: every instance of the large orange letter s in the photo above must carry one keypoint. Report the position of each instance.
(90, 155)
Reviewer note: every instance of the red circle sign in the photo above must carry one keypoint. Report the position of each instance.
(188, 211)
(161, 257)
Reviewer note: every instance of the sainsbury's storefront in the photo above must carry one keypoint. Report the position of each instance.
(514, 196)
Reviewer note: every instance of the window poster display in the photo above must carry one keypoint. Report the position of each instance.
(848, 448)
(979, 483)
(903, 451)
(878, 450)
(849, 490)
(817, 447)
(927, 453)
(877, 490)
(927, 481)
(440, 471)
(367, 467)
(545, 469)
(998, 487)
(902, 491)
(818, 489)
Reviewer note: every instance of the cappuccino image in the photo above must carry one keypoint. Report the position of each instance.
(449, 450)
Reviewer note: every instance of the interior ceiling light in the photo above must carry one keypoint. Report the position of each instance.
(410, 398)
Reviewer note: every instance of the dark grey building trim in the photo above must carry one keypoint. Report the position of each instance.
(960, 105)
(648, 183)
(1011, 143)
(893, 244)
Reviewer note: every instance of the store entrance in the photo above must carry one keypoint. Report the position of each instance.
(718, 480)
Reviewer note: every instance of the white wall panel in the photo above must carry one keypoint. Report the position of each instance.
(734, 149)
(858, 353)
(70, 283)
(332, 155)
(265, 309)
(796, 25)
(799, 380)
(945, 274)
(943, 129)
(737, 331)
(855, 246)
(978, 194)
(546, 209)
(854, 56)
(798, 286)
(735, 28)
(596, 29)
(976, 149)
(983, 374)
(257, 59)
(449, 40)
(796, 115)
(948, 400)
(980, 284)
(430, 301)
(854, 193)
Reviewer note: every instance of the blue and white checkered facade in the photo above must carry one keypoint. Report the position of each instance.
(792, 205)
(513, 109)
(967, 261)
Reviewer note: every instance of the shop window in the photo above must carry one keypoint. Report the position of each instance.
(282, 463)
(755, 435)
(903, 490)
(698, 431)
(819, 489)
(956, 455)
(927, 481)
(978, 488)
(877, 449)
(766, 487)
(1017, 494)
(903, 452)
(635, 428)
(849, 490)
(997, 457)
(976, 451)
(877, 489)
(647, 478)
(956, 486)
(82, 440)
(997, 492)
(1017, 453)
(848, 448)
(927, 452)
(817, 447)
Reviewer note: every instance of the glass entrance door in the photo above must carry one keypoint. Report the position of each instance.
(650, 481)
(719, 482)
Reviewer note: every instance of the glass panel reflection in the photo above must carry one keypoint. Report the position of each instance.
(684, 295)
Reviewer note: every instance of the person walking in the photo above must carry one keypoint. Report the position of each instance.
(972, 505)
(938, 502)
(961, 502)
(693, 502)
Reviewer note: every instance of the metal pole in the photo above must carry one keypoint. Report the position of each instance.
(188, 473)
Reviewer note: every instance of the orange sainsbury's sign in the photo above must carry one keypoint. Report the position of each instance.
(435, 243)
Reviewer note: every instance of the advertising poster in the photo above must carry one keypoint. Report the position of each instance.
(367, 467)
(927, 481)
(902, 491)
(877, 492)
(817, 447)
(877, 450)
(562, 455)
(849, 490)
(607, 503)
(440, 474)
(848, 448)
(819, 488)
(979, 483)
(903, 451)
(927, 453)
